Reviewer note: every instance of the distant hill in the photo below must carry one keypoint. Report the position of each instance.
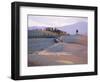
(36, 27)
(71, 29)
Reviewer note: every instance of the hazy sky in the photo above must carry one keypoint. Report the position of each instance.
(53, 21)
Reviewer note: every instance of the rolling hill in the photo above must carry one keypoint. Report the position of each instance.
(71, 29)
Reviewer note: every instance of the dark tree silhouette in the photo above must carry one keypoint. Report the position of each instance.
(76, 31)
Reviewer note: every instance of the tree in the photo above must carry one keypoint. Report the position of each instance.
(76, 31)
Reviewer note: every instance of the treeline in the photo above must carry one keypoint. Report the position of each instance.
(55, 30)
(47, 33)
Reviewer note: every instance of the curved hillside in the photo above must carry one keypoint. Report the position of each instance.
(73, 50)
